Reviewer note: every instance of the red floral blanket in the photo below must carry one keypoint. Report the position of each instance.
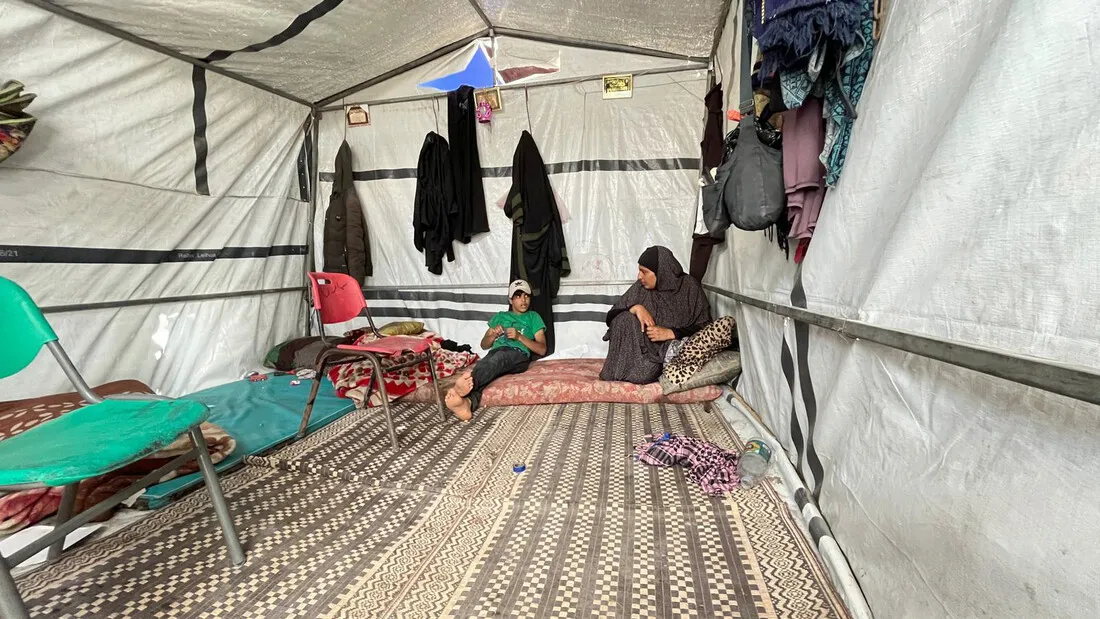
(351, 379)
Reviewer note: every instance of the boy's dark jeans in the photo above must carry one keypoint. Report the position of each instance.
(499, 362)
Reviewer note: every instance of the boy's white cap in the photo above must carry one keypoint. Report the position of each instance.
(518, 286)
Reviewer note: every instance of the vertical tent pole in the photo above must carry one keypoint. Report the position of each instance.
(314, 180)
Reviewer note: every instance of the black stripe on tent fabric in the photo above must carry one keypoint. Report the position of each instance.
(787, 361)
(198, 80)
(802, 344)
(374, 175)
(304, 165)
(294, 29)
(818, 529)
(488, 299)
(472, 315)
(198, 113)
(84, 307)
(36, 254)
(565, 167)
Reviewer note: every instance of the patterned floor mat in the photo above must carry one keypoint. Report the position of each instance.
(339, 526)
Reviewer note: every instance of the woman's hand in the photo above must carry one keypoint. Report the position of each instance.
(643, 316)
(660, 334)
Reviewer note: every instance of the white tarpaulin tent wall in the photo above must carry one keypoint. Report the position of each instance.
(625, 170)
(182, 259)
(965, 215)
(162, 208)
(108, 205)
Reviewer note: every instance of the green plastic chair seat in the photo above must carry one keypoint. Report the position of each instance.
(95, 440)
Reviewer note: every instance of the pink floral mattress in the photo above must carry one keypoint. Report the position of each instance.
(562, 381)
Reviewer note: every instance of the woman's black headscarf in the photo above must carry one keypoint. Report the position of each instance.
(677, 303)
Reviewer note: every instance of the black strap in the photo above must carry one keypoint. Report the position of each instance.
(746, 103)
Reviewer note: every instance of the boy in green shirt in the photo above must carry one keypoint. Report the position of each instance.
(511, 339)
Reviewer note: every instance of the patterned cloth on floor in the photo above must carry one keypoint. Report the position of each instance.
(352, 379)
(707, 464)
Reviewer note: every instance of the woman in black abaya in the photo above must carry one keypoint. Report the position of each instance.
(664, 305)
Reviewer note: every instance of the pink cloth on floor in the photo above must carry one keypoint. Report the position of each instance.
(803, 173)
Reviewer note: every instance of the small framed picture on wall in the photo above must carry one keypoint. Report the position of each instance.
(490, 96)
(358, 115)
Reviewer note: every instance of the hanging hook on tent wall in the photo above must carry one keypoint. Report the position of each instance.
(527, 106)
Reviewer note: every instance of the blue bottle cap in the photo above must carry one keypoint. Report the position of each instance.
(519, 468)
(666, 436)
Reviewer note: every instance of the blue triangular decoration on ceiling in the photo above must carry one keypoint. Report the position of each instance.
(478, 73)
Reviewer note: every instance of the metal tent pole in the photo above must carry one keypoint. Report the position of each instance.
(555, 82)
(597, 45)
(722, 25)
(408, 66)
(311, 242)
(1075, 382)
(476, 6)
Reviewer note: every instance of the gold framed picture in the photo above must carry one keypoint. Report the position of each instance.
(618, 86)
(358, 116)
(490, 96)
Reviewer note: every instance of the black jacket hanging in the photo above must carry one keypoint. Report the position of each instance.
(712, 145)
(469, 192)
(347, 244)
(538, 242)
(434, 206)
(713, 148)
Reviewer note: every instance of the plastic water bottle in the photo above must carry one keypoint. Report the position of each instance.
(754, 462)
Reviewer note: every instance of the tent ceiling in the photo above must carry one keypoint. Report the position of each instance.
(686, 27)
(313, 49)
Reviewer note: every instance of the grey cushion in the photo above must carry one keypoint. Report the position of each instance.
(724, 367)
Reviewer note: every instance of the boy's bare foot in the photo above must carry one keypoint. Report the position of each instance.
(464, 385)
(459, 405)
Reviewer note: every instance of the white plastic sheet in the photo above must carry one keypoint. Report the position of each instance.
(686, 27)
(964, 215)
(312, 49)
(353, 42)
(105, 188)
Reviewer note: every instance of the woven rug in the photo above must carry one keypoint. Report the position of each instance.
(337, 525)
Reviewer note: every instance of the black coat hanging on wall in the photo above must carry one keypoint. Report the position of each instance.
(434, 206)
(471, 217)
(538, 242)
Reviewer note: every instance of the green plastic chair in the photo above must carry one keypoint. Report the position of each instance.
(101, 437)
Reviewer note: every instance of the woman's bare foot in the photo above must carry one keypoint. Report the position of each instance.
(459, 405)
(464, 385)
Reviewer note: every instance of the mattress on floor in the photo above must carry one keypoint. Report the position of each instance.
(564, 381)
(260, 416)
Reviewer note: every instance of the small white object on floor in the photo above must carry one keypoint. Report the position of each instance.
(17, 541)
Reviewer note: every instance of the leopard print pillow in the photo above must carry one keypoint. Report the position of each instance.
(700, 348)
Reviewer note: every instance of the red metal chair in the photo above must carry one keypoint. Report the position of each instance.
(338, 298)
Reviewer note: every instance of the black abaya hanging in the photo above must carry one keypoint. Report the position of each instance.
(538, 242)
(471, 218)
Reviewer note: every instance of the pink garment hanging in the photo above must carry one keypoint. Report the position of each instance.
(803, 173)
